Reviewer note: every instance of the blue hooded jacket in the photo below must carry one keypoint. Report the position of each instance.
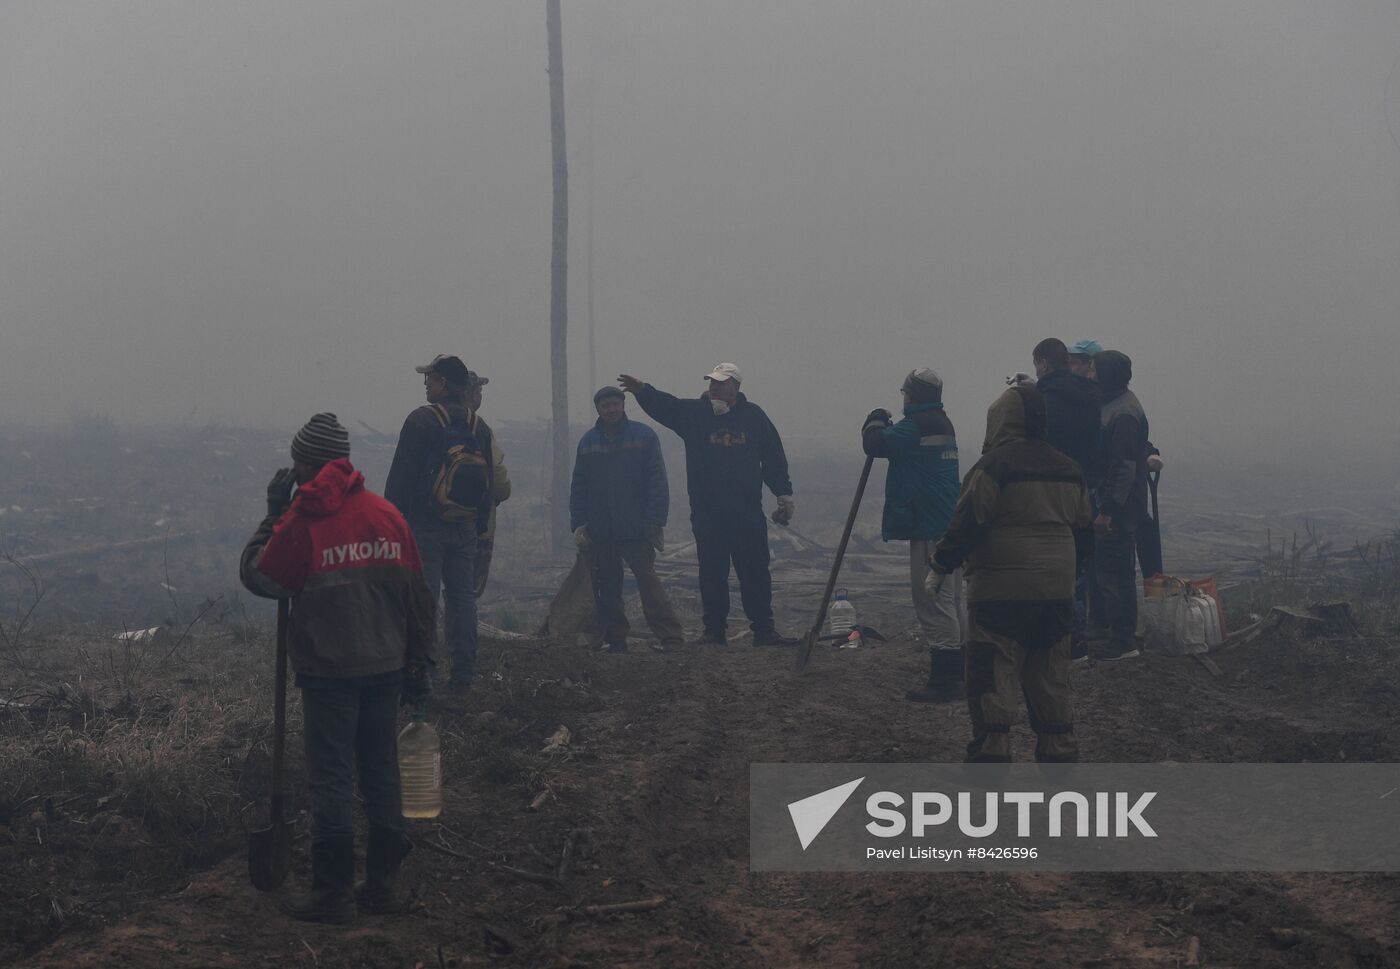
(921, 487)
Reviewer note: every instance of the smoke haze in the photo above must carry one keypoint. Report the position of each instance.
(249, 212)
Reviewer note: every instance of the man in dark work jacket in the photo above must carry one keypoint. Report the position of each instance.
(732, 450)
(1072, 406)
(1119, 481)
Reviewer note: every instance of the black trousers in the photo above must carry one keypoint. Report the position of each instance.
(349, 731)
(743, 541)
(1114, 555)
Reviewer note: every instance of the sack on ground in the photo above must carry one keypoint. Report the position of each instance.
(1178, 617)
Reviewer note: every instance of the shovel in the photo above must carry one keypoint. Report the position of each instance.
(1149, 534)
(270, 850)
(804, 651)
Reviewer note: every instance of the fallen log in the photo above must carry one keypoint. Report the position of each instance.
(617, 908)
(495, 632)
(1286, 619)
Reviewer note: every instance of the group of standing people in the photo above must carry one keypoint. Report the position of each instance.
(1061, 483)
(1045, 527)
(619, 503)
(364, 574)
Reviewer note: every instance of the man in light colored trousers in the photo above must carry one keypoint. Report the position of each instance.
(943, 618)
(921, 489)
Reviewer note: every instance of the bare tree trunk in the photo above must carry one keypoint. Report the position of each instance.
(588, 271)
(588, 243)
(558, 287)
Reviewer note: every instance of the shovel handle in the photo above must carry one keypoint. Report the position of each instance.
(279, 711)
(804, 652)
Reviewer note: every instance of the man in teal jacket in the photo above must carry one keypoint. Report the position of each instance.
(921, 489)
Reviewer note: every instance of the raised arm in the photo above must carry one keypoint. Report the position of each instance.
(665, 409)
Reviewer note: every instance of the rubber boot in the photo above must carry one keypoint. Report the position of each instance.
(379, 894)
(332, 874)
(945, 678)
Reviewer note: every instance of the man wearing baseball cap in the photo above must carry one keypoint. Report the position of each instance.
(1081, 357)
(446, 536)
(732, 450)
(500, 486)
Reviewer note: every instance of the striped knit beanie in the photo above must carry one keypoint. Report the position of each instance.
(322, 439)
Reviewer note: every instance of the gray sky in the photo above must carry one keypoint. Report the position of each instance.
(251, 211)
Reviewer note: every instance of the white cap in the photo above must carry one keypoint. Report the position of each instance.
(725, 371)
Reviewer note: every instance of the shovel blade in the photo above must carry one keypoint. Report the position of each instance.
(270, 856)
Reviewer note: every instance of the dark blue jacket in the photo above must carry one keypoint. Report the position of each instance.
(921, 486)
(728, 459)
(619, 484)
(1072, 412)
(1119, 478)
(418, 456)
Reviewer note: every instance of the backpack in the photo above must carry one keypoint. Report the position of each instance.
(460, 473)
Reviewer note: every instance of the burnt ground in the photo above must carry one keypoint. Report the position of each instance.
(653, 783)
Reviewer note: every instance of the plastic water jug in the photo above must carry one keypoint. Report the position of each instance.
(841, 615)
(420, 770)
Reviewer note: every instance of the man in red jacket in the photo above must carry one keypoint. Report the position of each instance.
(360, 631)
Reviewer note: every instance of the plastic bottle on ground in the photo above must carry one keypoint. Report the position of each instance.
(841, 616)
(420, 770)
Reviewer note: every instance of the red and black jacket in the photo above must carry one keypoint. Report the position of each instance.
(347, 559)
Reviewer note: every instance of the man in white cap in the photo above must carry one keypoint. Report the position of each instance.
(732, 450)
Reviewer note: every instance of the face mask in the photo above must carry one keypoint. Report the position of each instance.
(719, 407)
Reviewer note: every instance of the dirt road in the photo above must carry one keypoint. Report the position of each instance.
(651, 790)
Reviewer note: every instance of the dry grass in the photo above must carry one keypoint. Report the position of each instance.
(123, 766)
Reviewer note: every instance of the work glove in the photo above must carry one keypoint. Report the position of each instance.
(581, 538)
(933, 582)
(1020, 380)
(279, 491)
(782, 515)
(416, 685)
(879, 417)
(1154, 462)
(656, 535)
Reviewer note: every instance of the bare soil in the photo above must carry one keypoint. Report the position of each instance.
(652, 788)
